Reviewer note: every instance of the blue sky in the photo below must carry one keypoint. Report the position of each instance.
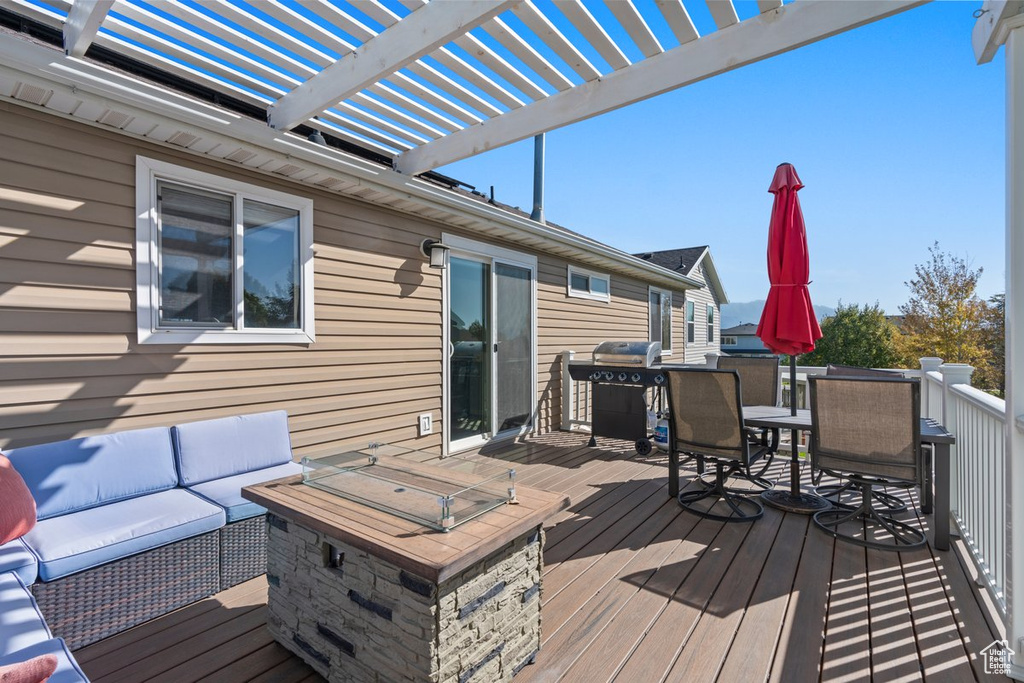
(894, 129)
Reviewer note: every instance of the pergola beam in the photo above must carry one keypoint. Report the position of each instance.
(757, 38)
(422, 32)
(83, 24)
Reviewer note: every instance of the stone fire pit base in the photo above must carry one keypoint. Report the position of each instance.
(356, 617)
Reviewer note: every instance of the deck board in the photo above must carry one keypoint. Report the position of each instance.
(636, 589)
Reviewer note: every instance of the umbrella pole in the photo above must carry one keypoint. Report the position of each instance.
(794, 435)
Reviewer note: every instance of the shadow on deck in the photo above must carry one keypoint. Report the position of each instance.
(635, 589)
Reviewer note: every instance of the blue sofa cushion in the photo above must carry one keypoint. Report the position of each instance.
(88, 538)
(16, 557)
(21, 623)
(68, 476)
(67, 671)
(227, 492)
(214, 449)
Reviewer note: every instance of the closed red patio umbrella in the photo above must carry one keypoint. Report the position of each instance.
(788, 323)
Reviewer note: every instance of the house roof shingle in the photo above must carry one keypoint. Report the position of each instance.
(679, 260)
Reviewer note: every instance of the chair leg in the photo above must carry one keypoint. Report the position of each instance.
(889, 503)
(905, 537)
(736, 503)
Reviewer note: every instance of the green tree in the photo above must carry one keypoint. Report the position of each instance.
(944, 316)
(993, 375)
(857, 336)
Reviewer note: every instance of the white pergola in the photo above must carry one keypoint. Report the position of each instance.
(429, 83)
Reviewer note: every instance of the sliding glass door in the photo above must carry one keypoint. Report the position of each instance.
(491, 385)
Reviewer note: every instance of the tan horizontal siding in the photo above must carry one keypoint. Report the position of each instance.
(71, 365)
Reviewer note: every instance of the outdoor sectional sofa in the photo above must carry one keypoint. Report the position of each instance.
(134, 524)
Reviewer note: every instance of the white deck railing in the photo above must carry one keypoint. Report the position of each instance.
(977, 481)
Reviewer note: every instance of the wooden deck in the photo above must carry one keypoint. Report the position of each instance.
(636, 589)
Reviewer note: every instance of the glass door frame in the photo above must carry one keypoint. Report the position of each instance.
(481, 251)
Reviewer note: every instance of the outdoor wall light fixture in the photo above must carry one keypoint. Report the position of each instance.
(436, 252)
(317, 137)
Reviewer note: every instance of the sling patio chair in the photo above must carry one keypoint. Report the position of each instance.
(706, 422)
(867, 430)
(759, 377)
(834, 492)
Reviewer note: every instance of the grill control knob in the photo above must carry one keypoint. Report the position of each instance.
(594, 376)
(622, 377)
(609, 376)
(636, 378)
(659, 379)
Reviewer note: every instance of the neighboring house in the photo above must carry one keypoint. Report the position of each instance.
(743, 340)
(165, 259)
(696, 315)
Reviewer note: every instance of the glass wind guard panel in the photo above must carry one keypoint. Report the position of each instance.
(380, 478)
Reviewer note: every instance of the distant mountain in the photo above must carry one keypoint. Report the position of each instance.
(740, 312)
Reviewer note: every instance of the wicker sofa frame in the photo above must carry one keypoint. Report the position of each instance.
(242, 551)
(90, 605)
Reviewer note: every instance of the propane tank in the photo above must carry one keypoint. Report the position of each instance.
(661, 432)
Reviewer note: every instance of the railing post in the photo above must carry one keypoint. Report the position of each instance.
(567, 392)
(928, 364)
(953, 373)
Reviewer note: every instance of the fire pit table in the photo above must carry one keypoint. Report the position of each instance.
(383, 568)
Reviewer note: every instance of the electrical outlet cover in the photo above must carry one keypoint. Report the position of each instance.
(426, 424)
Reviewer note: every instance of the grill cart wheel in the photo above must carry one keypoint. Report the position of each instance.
(643, 446)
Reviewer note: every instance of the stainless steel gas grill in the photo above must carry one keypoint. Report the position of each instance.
(621, 374)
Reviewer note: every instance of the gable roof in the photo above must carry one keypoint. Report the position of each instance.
(685, 261)
(746, 329)
(680, 260)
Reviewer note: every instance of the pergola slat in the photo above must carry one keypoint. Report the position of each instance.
(580, 17)
(768, 5)
(268, 31)
(414, 87)
(755, 39)
(228, 34)
(216, 49)
(343, 20)
(723, 12)
(388, 94)
(417, 35)
(83, 23)
(390, 112)
(678, 20)
(537, 21)
(376, 11)
(526, 53)
(493, 61)
(477, 78)
(625, 11)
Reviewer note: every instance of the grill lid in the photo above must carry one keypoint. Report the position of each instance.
(642, 354)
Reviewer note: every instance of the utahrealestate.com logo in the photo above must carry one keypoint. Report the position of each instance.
(997, 657)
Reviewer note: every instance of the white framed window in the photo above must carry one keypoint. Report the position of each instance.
(220, 261)
(711, 323)
(660, 301)
(691, 323)
(586, 284)
(728, 341)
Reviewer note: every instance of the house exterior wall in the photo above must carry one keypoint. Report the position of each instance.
(746, 343)
(701, 297)
(71, 364)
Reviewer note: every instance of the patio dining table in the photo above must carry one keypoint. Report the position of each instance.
(936, 486)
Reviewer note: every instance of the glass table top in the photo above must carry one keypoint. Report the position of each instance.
(386, 478)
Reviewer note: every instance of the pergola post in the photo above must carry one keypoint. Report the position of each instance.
(1015, 343)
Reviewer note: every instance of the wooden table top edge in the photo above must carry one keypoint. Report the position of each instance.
(274, 495)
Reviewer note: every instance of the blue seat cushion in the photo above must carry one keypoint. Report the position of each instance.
(21, 623)
(67, 671)
(68, 476)
(89, 538)
(227, 492)
(16, 557)
(214, 449)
